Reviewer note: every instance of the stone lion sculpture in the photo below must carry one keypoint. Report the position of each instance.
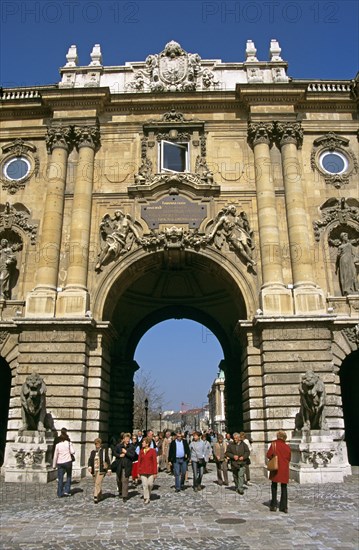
(33, 405)
(312, 402)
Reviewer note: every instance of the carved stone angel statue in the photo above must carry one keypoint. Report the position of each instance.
(119, 233)
(235, 230)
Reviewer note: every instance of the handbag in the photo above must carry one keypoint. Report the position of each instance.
(72, 455)
(272, 465)
(114, 465)
(201, 462)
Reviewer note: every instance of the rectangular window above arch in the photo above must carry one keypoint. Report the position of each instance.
(174, 157)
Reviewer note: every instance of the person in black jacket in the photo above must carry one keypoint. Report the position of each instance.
(98, 465)
(125, 452)
(178, 455)
(238, 453)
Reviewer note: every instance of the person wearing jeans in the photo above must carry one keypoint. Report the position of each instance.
(62, 460)
(147, 468)
(198, 450)
(178, 456)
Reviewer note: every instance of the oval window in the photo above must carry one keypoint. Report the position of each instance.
(333, 162)
(17, 168)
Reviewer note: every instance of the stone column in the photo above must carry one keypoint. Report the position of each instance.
(275, 297)
(74, 300)
(42, 300)
(308, 298)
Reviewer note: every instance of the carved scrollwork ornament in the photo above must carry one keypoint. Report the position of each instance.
(260, 132)
(18, 151)
(15, 216)
(352, 335)
(3, 336)
(59, 136)
(339, 212)
(333, 144)
(288, 132)
(87, 136)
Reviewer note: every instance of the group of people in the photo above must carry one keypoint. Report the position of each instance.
(141, 456)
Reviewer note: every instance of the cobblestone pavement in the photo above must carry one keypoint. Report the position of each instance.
(321, 517)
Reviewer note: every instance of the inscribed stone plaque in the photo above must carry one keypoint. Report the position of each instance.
(174, 209)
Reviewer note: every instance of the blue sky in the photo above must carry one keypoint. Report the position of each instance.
(319, 39)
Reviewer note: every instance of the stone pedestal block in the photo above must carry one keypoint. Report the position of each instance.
(318, 458)
(30, 458)
(309, 299)
(72, 303)
(41, 303)
(276, 300)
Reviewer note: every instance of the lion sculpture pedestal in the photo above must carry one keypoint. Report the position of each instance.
(317, 457)
(30, 456)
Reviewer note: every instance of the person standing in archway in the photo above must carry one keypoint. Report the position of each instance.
(238, 453)
(147, 468)
(179, 454)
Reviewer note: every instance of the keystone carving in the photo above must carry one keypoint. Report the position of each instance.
(173, 70)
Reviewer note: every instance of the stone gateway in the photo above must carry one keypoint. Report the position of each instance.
(178, 187)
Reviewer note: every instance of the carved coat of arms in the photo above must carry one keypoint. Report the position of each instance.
(173, 70)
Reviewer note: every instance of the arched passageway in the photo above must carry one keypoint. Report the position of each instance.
(158, 288)
(349, 381)
(5, 388)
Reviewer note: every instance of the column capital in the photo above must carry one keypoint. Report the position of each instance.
(260, 132)
(87, 136)
(59, 136)
(288, 132)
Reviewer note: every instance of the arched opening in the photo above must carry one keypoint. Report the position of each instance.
(179, 362)
(5, 388)
(159, 287)
(349, 381)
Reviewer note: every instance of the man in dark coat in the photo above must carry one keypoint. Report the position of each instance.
(178, 455)
(238, 453)
(125, 452)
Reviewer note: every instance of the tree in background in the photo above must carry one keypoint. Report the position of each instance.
(146, 387)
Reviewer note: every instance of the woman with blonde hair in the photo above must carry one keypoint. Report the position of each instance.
(280, 449)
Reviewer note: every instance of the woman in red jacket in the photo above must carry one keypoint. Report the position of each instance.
(147, 468)
(282, 451)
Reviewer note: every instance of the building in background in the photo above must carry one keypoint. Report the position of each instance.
(216, 401)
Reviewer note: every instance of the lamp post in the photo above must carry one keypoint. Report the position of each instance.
(146, 413)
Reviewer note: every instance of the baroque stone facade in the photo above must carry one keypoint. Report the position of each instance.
(178, 187)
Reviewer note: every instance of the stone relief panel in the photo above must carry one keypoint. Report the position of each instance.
(120, 233)
(173, 70)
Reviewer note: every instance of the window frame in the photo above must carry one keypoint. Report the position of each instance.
(183, 145)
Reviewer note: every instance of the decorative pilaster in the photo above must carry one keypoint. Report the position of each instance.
(308, 298)
(274, 296)
(42, 299)
(74, 300)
